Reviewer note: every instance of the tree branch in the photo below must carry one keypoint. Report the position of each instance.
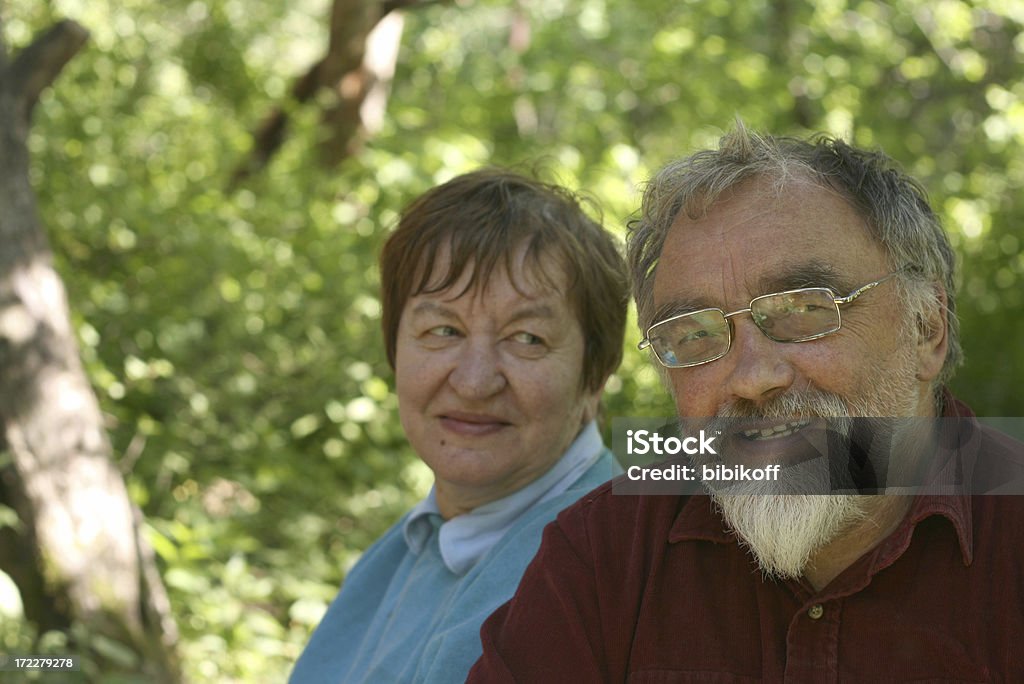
(341, 69)
(38, 65)
(3, 47)
(269, 136)
(781, 52)
(391, 5)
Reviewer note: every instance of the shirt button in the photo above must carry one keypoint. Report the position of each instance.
(815, 611)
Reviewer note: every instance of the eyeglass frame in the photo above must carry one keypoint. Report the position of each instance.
(836, 300)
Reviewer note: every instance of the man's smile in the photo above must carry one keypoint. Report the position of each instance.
(776, 431)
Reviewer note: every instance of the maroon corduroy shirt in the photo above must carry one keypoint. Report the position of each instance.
(655, 589)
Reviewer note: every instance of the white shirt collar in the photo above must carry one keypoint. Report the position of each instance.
(466, 538)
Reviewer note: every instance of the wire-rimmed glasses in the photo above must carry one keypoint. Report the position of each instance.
(799, 315)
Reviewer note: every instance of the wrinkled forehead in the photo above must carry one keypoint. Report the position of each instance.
(758, 237)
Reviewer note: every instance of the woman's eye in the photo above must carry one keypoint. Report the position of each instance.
(443, 331)
(527, 338)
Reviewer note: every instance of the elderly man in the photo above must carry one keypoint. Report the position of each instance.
(504, 309)
(782, 283)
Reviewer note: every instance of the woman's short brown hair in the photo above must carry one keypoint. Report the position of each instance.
(479, 221)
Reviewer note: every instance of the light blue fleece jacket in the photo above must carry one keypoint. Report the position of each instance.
(411, 608)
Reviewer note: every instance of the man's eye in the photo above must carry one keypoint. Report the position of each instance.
(527, 338)
(695, 335)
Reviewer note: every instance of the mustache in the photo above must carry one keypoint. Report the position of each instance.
(790, 406)
(808, 404)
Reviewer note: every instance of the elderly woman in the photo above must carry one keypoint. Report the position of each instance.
(503, 313)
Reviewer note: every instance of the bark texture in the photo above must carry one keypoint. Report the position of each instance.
(77, 554)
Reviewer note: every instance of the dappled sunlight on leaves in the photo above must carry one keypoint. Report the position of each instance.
(234, 337)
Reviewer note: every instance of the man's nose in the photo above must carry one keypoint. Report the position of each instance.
(758, 371)
(478, 373)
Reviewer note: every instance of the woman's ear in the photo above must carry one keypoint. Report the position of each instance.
(591, 405)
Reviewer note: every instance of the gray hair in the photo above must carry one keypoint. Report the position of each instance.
(894, 206)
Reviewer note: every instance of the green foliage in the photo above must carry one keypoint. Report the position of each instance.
(234, 338)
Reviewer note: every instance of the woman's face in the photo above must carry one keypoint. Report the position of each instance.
(489, 381)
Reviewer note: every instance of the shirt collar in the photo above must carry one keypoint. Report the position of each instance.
(421, 522)
(700, 521)
(956, 508)
(464, 539)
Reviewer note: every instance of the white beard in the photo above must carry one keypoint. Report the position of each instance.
(784, 531)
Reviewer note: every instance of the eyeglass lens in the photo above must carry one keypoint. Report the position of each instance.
(701, 336)
(792, 316)
(784, 317)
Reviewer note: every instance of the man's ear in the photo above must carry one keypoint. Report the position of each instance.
(932, 337)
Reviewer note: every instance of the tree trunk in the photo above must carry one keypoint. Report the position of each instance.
(78, 555)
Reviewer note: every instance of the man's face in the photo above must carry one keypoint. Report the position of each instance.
(489, 382)
(754, 242)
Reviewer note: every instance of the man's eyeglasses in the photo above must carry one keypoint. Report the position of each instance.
(808, 313)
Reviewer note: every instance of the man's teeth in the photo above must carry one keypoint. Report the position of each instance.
(783, 430)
